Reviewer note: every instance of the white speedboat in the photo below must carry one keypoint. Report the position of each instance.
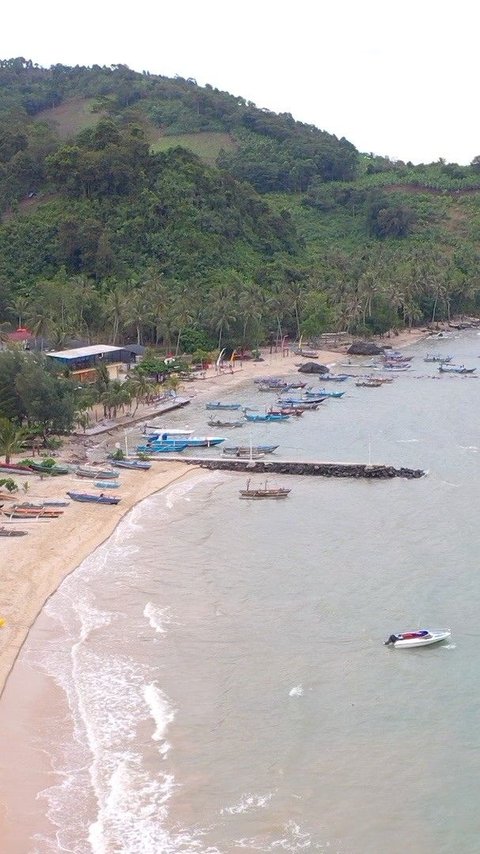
(169, 431)
(422, 637)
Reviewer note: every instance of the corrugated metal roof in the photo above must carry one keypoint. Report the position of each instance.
(82, 352)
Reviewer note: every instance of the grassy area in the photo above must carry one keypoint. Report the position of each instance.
(207, 146)
(71, 117)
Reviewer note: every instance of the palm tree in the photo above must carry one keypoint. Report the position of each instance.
(11, 438)
(115, 309)
(222, 309)
(139, 387)
(20, 307)
(183, 313)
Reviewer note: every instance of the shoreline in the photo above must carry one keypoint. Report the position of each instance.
(35, 566)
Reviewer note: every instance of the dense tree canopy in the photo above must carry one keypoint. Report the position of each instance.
(106, 234)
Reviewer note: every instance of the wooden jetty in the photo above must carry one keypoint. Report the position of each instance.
(308, 468)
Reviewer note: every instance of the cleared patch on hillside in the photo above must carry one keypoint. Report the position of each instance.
(205, 145)
(71, 117)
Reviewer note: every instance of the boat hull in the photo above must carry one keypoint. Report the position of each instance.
(417, 640)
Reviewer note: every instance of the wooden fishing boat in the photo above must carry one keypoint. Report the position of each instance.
(31, 513)
(12, 532)
(245, 449)
(369, 383)
(287, 410)
(88, 498)
(138, 465)
(219, 405)
(218, 423)
(335, 378)
(322, 393)
(422, 637)
(437, 357)
(86, 471)
(106, 484)
(244, 453)
(456, 369)
(14, 468)
(173, 448)
(263, 492)
(257, 417)
(41, 468)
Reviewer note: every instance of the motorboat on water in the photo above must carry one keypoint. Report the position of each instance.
(422, 637)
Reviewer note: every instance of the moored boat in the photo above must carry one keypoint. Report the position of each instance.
(455, 369)
(219, 405)
(369, 383)
(218, 423)
(264, 492)
(171, 448)
(245, 449)
(322, 393)
(437, 357)
(422, 637)
(188, 441)
(257, 417)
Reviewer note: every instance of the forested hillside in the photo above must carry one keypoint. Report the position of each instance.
(138, 206)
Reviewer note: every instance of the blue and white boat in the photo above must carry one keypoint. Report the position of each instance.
(188, 441)
(321, 392)
(302, 401)
(219, 405)
(106, 484)
(269, 416)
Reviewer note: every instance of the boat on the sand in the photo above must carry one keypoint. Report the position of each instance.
(93, 499)
(12, 532)
(422, 637)
(140, 465)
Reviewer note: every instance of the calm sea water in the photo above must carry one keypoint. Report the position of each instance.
(226, 683)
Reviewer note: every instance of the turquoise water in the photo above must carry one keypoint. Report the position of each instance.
(223, 663)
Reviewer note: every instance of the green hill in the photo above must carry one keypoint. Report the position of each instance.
(138, 205)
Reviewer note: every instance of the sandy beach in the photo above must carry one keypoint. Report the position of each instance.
(33, 567)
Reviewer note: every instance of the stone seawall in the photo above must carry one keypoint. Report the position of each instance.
(268, 467)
